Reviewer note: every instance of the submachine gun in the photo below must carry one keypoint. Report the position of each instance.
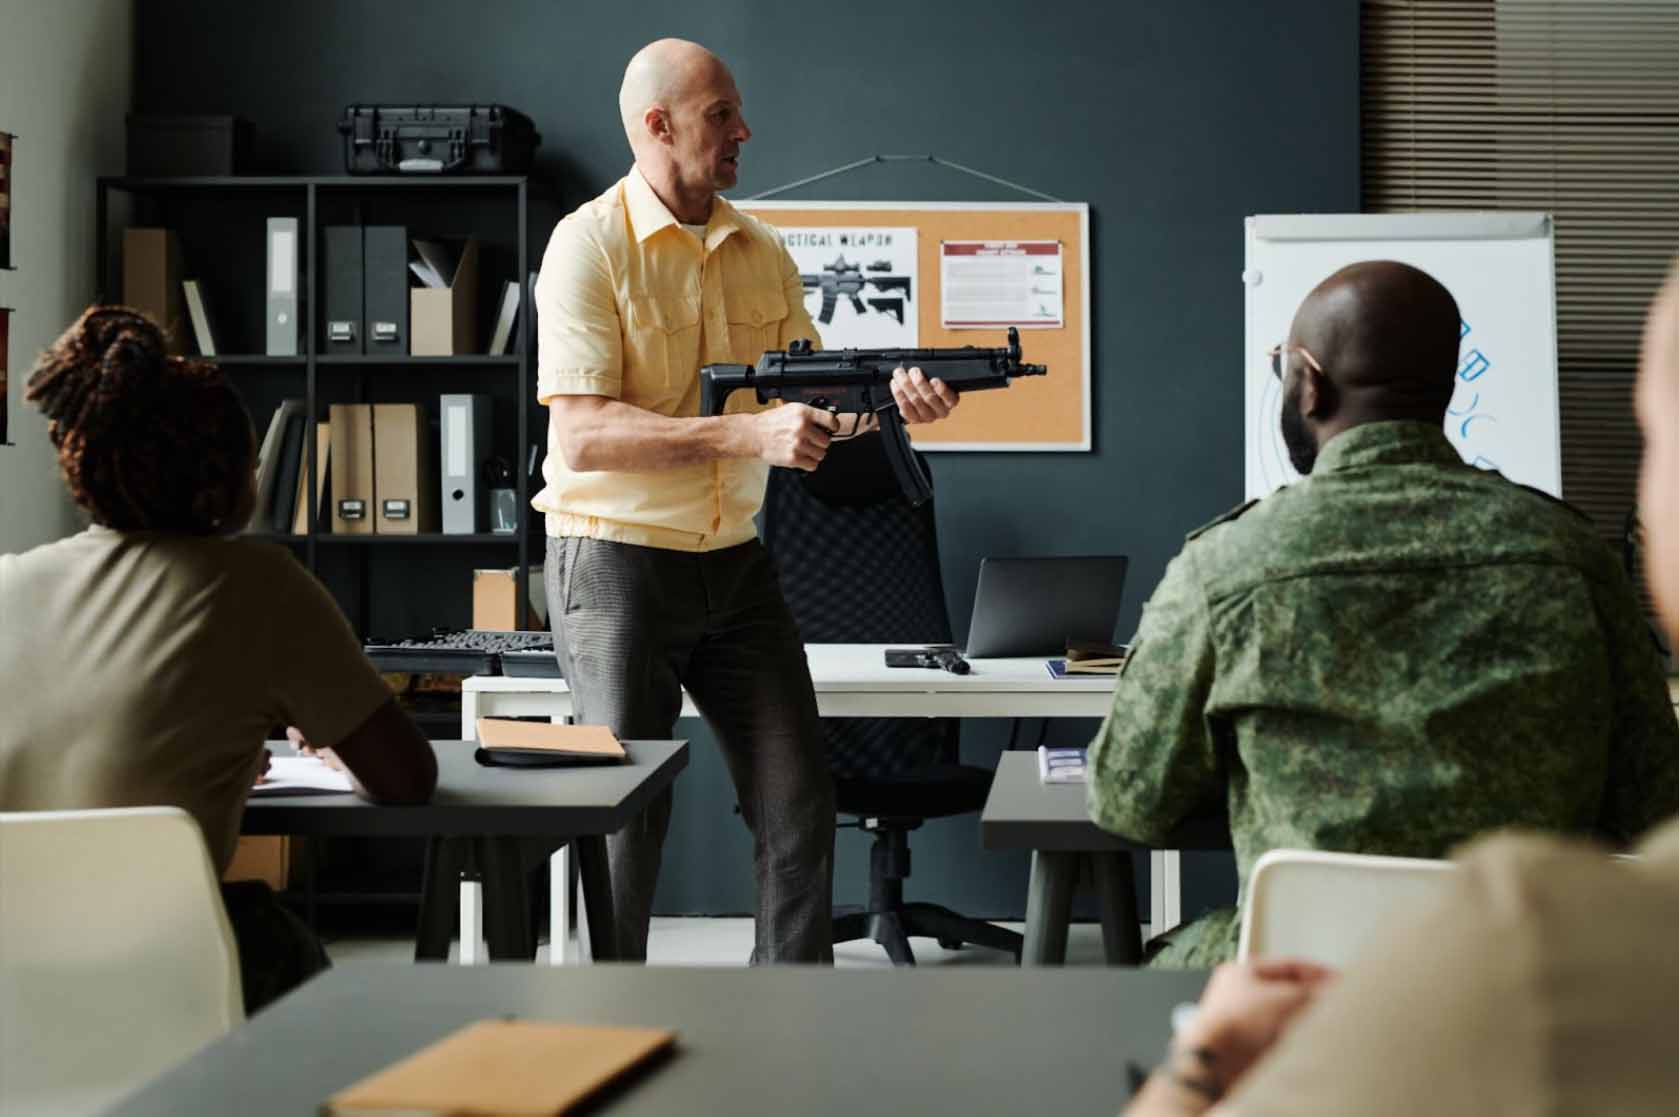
(859, 382)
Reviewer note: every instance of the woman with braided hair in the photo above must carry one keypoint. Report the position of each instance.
(146, 659)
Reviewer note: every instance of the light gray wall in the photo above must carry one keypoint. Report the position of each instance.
(66, 82)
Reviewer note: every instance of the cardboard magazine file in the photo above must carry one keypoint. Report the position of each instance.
(539, 744)
(443, 319)
(350, 449)
(509, 1068)
(404, 478)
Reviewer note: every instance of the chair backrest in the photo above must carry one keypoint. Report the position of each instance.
(1322, 907)
(860, 565)
(116, 958)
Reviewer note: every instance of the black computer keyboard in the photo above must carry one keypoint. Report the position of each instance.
(471, 651)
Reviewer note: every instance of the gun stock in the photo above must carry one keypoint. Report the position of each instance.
(716, 384)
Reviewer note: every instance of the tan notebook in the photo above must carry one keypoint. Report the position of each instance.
(541, 739)
(501, 1068)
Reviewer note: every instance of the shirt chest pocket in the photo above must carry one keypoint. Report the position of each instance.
(755, 316)
(664, 342)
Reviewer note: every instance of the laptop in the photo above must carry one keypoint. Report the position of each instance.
(1033, 606)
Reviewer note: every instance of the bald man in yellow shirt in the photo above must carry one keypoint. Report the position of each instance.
(655, 576)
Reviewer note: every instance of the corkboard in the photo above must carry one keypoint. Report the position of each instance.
(1038, 413)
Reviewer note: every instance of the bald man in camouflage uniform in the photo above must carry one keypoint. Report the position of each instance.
(1393, 654)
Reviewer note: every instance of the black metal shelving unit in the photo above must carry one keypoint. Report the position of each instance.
(421, 579)
(225, 217)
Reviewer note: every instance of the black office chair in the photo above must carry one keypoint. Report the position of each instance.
(858, 564)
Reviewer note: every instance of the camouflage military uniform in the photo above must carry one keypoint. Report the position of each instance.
(1390, 656)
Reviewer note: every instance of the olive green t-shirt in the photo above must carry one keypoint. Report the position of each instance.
(148, 668)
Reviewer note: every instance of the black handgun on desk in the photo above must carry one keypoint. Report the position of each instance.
(859, 382)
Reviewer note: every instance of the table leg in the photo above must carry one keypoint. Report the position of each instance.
(597, 896)
(442, 875)
(559, 905)
(469, 714)
(1116, 886)
(1165, 894)
(1049, 907)
(506, 900)
(472, 922)
(585, 955)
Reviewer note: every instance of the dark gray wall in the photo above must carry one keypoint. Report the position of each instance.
(1173, 120)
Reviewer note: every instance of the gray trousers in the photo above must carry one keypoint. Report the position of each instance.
(632, 627)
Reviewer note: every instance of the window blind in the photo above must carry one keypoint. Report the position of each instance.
(1566, 106)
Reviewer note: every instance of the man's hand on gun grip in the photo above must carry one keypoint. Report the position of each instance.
(921, 400)
(794, 435)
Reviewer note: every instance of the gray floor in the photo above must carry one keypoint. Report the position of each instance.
(704, 941)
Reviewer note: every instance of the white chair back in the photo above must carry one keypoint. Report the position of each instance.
(1322, 907)
(116, 958)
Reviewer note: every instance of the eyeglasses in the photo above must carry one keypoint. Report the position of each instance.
(1276, 354)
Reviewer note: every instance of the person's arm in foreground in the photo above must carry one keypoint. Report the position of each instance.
(1246, 1007)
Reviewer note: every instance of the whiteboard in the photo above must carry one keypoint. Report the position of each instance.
(1500, 269)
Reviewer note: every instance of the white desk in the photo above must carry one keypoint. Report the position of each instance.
(852, 680)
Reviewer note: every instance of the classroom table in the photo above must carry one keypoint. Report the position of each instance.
(852, 680)
(771, 1040)
(1023, 812)
(581, 805)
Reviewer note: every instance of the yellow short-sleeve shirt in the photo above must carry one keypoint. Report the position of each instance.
(630, 305)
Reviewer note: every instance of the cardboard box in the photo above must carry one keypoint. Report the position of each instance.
(443, 321)
(266, 858)
(493, 601)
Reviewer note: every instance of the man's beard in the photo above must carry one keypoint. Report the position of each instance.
(1302, 447)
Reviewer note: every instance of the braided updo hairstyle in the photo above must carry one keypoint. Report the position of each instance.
(147, 442)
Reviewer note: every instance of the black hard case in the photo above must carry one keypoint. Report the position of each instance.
(437, 139)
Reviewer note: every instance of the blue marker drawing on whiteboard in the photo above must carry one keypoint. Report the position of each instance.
(1463, 428)
(1472, 405)
(1474, 367)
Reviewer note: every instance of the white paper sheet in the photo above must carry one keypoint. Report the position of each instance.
(300, 775)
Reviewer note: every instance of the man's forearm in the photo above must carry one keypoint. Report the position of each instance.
(598, 434)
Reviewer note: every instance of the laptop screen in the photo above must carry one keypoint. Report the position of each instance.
(1033, 606)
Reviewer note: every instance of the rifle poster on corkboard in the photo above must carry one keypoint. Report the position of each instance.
(860, 285)
(1006, 264)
